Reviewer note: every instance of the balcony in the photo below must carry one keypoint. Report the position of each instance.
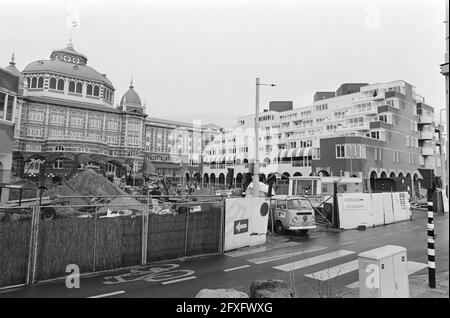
(426, 135)
(427, 151)
(426, 119)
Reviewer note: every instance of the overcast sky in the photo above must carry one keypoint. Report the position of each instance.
(194, 59)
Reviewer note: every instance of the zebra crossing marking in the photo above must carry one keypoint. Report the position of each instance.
(313, 260)
(273, 258)
(261, 249)
(335, 271)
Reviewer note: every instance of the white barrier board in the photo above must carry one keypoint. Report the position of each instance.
(375, 209)
(245, 222)
(445, 202)
(354, 210)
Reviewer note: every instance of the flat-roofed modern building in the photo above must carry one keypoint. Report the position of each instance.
(383, 130)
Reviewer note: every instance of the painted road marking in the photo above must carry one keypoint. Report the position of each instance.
(412, 267)
(335, 271)
(273, 258)
(346, 243)
(313, 260)
(236, 268)
(178, 280)
(109, 294)
(261, 249)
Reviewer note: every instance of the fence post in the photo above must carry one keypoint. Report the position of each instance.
(187, 228)
(95, 240)
(37, 216)
(335, 217)
(31, 246)
(222, 227)
(144, 233)
(430, 232)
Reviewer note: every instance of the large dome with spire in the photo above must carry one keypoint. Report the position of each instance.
(68, 62)
(131, 98)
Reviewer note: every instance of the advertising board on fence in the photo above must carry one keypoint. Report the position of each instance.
(245, 222)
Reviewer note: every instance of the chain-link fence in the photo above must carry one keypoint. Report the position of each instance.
(104, 233)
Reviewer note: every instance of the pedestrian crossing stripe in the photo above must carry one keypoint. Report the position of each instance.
(411, 266)
(335, 271)
(313, 260)
(273, 258)
(261, 249)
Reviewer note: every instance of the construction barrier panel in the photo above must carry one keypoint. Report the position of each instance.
(245, 222)
(366, 209)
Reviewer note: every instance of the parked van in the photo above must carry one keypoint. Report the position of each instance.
(291, 213)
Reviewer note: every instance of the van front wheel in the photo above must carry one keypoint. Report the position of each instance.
(279, 228)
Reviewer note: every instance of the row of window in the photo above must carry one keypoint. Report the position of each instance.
(74, 87)
(321, 107)
(351, 151)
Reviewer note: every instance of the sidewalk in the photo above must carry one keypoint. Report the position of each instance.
(418, 287)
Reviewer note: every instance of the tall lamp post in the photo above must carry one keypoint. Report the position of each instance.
(256, 165)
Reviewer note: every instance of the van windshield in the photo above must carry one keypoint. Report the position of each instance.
(296, 204)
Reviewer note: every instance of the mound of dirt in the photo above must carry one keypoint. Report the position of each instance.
(87, 183)
(91, 183)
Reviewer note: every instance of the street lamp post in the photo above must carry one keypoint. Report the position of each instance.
(256, 164)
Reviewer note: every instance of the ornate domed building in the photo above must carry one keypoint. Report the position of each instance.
(66, 120)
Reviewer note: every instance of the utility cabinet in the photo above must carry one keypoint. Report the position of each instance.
(383, 273)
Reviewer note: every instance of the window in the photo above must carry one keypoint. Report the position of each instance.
(31, 147)
(72, 86)
(387, 118)
(33, 82)
(112, 125)
(340, 151)
(32, 167)
(396, 156)
(60, 85)
(59, 148)
(58, 164)
(89, 90)
(76, 121)
(36, 116)
(408, 142)
(40, 82)
(79, 88)
(6, 114)
(56, 133)
(96, 91)
(53, 83)
(57, 119)
(378, 134)
(95, 123)
(34, 132)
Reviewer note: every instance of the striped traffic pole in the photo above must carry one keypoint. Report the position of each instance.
(431, 259)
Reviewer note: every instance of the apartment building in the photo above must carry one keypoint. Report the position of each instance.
(383, 130)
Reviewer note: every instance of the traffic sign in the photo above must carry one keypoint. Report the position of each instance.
(240, 226)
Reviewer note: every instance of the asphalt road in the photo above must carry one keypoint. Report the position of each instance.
(318, 264)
